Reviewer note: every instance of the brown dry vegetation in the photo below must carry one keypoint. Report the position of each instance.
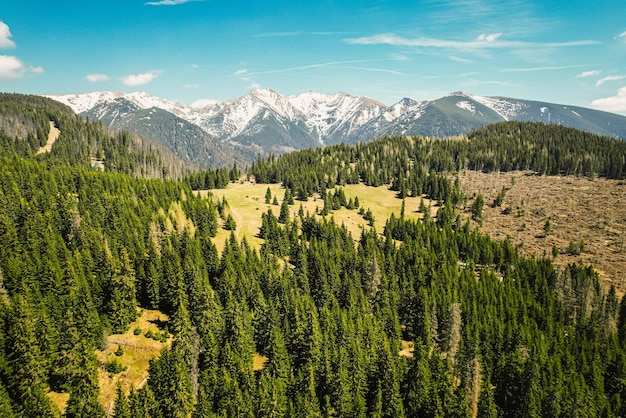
(138, 351)
(592, 210)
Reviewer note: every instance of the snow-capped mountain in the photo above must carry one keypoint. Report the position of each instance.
(265, 121)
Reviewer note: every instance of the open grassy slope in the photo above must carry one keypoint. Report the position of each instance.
(246, 203)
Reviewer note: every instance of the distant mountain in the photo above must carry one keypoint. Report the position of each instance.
(187, 140)
(265, 121)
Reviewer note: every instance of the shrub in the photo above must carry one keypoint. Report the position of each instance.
(113, 366)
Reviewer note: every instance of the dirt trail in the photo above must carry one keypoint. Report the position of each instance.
(52, 136)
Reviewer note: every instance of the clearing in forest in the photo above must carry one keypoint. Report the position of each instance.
(246, 202)
(580, 209)
(52, 136)
(138, 349)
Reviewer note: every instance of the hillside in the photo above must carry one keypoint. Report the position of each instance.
(579, 209)
(27, 121)
(328, 311)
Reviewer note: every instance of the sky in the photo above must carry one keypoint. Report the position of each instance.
(567, 52)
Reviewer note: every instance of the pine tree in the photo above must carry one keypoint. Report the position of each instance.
(122, 406)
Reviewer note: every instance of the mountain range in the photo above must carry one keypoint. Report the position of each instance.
(209, 133)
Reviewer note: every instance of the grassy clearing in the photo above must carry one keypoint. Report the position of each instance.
(247, 202)
(138, 351)
(407, 349)
(258, 363)
(59, 399)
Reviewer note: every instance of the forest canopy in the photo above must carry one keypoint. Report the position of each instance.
(424, 318)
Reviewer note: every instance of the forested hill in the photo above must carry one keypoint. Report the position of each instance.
(426, 318)
(416, 165)
(25, 124)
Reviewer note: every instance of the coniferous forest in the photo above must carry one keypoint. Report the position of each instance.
(425, 318)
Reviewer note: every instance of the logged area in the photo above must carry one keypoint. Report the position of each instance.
(577, 208)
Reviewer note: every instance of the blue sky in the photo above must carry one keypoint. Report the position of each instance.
(570, 52)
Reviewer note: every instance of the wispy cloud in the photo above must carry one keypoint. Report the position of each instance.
(483, 41)
(240, 72)
(399, 57)
(299, 33)
(94, 78)
(191, 86)
(169, 2)
(139, 79)
(12, 67)
(622, 35)
(459, 59)
(531, 69)
(591, 73)
(377, 70)
(307, 67)
(615, 103)
(5, 35)
(609, 78)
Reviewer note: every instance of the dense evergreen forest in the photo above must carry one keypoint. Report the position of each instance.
(482, 330)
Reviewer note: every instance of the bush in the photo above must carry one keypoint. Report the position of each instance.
(113, 366)
(576, 247)
(120, 351)
(137, 331)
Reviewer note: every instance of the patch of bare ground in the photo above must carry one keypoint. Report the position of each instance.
(578, 208)
(52, 137)
(407, 349)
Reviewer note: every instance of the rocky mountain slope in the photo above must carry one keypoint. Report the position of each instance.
(265, 121)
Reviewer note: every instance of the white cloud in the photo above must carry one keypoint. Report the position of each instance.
(622, 35)
(609, 78)
(5, 34)
(484, 41)
(139, 79)
(169, 2)
(94, 78)
(489, 38)
(12, 67)
(241, 72)
(191, 86)
(616, 103)
(588, 74)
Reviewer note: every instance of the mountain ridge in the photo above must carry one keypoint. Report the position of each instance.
(265, 121)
